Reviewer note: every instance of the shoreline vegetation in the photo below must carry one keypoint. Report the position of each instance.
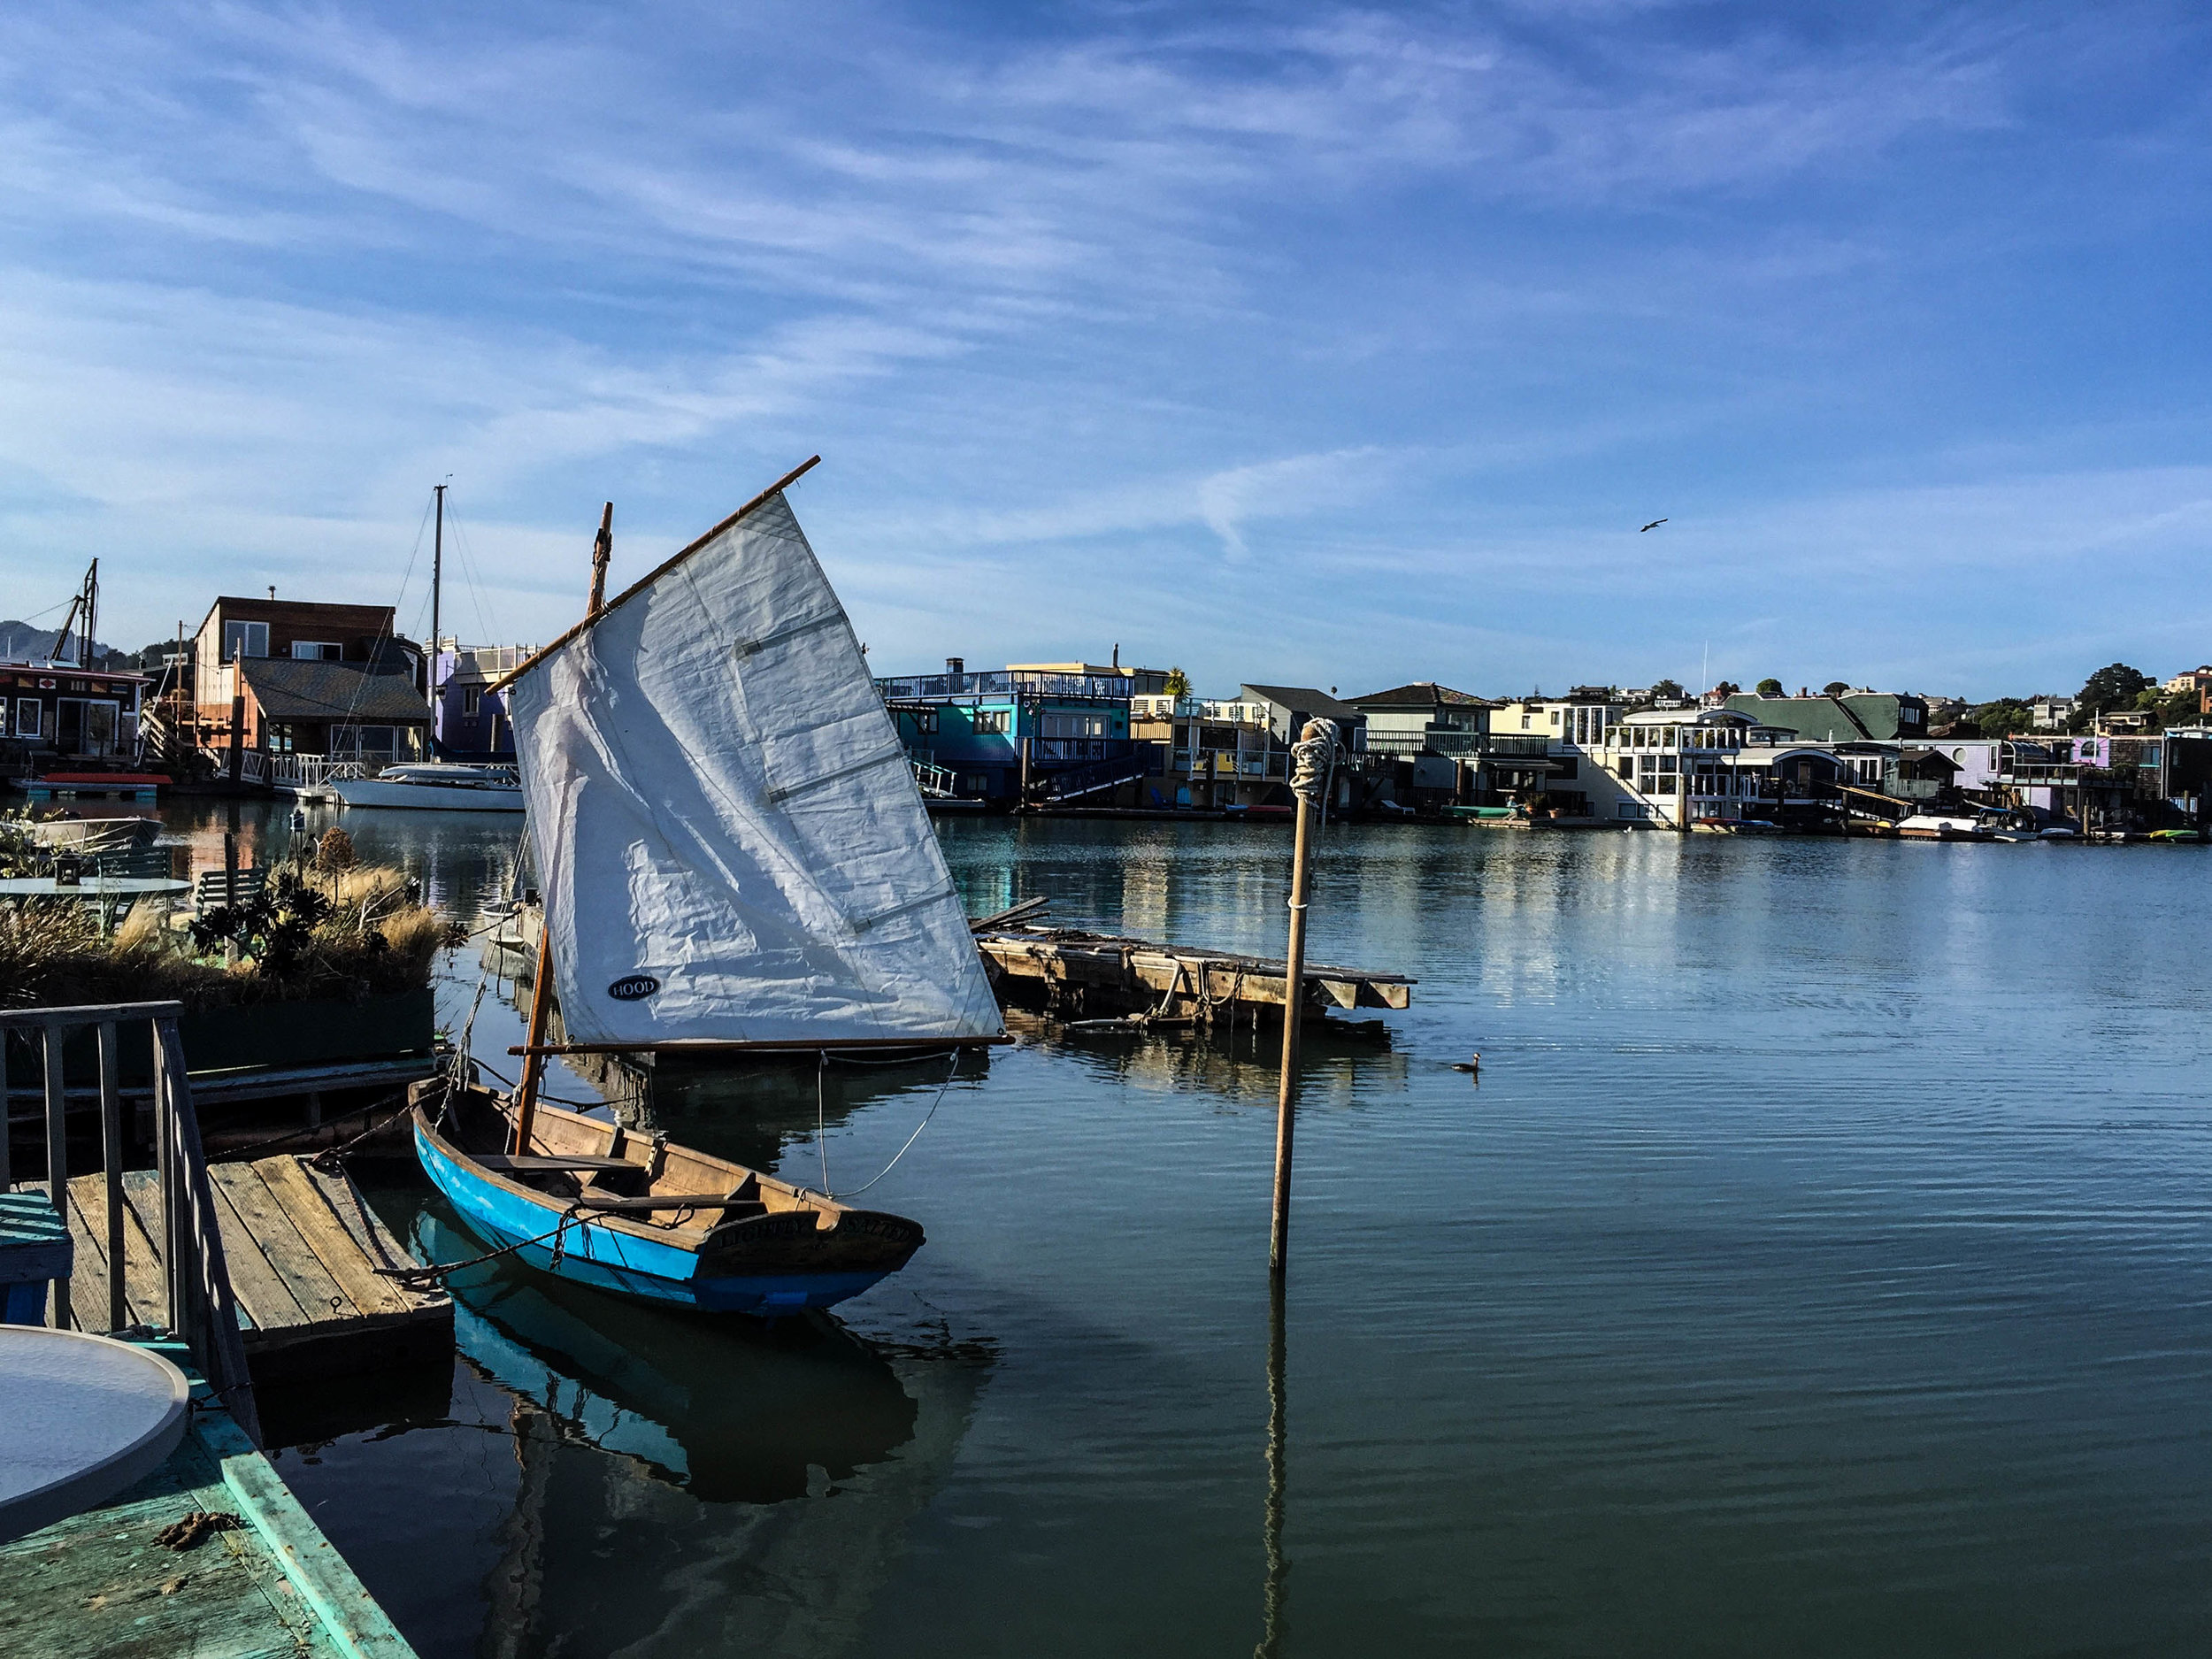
(324, 926)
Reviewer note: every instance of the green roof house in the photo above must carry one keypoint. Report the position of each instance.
(1856, 716)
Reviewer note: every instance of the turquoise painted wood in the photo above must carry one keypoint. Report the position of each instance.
(34, 1250)
(98, 1585)
(621, 1261)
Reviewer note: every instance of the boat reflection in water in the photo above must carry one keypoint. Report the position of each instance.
(672, 1468)
(730, 1413)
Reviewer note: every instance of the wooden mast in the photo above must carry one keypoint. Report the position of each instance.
(541, 986)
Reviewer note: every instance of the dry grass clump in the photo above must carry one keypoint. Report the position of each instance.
(357, 933)
(412, 939)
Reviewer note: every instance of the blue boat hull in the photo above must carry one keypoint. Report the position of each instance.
(612, 1260)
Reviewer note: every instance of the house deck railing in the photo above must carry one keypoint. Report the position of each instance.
(1005, 683)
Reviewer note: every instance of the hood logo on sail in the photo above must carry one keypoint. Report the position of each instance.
(632, 988)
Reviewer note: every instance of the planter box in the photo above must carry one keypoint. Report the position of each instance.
(263, 1036)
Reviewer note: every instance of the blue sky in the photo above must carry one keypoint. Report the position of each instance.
(1290, 344)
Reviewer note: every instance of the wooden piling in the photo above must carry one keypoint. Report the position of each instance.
(1293, 981)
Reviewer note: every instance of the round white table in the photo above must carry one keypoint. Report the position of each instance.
(85, 1417)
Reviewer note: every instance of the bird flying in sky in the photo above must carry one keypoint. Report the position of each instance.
(1654, 525)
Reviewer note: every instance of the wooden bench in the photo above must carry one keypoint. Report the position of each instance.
(214, 886)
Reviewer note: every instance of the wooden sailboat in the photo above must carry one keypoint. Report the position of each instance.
(735, 860)
(648, 1218)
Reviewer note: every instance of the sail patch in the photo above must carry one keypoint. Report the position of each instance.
(633, 988)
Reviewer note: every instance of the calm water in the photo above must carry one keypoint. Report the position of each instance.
(1820, 1267)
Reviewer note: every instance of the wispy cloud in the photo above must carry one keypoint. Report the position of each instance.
(1099, 315)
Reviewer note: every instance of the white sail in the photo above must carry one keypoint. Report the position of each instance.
(728, 834)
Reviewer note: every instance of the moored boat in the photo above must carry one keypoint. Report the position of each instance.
(435, 786)
(734, 861)
(592, 1202)
(1937, 826)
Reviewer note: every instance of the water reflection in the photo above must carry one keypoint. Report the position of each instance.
(1274, 1621)
(1339, 1061)
(464, 861)
(684, 1485)
(731, 1411)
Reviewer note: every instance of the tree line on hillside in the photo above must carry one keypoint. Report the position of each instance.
(2115, 688)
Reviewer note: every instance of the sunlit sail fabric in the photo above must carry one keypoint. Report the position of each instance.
(728, 836)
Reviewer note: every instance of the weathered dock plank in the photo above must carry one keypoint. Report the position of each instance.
(262, 1294)
(277, 1243)
(1102, 973)
(303, 1248)
(341, 1256)
(101, 1584)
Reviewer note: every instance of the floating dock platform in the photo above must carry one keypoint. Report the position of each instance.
(1081, 973)
(303, 1248)
(256, 1577)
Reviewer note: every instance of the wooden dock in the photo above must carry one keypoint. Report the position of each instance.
(303, 1248)
(1079, 973)
(263, 1581)
(1076, 973)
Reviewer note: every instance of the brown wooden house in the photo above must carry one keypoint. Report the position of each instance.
(295, 677)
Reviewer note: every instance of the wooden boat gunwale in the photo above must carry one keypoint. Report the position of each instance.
(699, 1243)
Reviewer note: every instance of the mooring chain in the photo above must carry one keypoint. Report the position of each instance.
(431, 1277)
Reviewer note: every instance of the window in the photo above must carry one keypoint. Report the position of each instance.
(305, 650)
(471, 701)
(1527, 721)
(245, 638)
(27, 717)
(925, 722)
(990, 721)
(362, 742)
(280, 737)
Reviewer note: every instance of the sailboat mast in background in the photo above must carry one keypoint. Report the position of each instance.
(437, 582)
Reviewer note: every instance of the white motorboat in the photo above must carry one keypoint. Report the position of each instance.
(1938, 826)
(435, 786)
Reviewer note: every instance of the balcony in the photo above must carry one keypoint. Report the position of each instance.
(1261, 763)
(1531, 746)
(1004, 683)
